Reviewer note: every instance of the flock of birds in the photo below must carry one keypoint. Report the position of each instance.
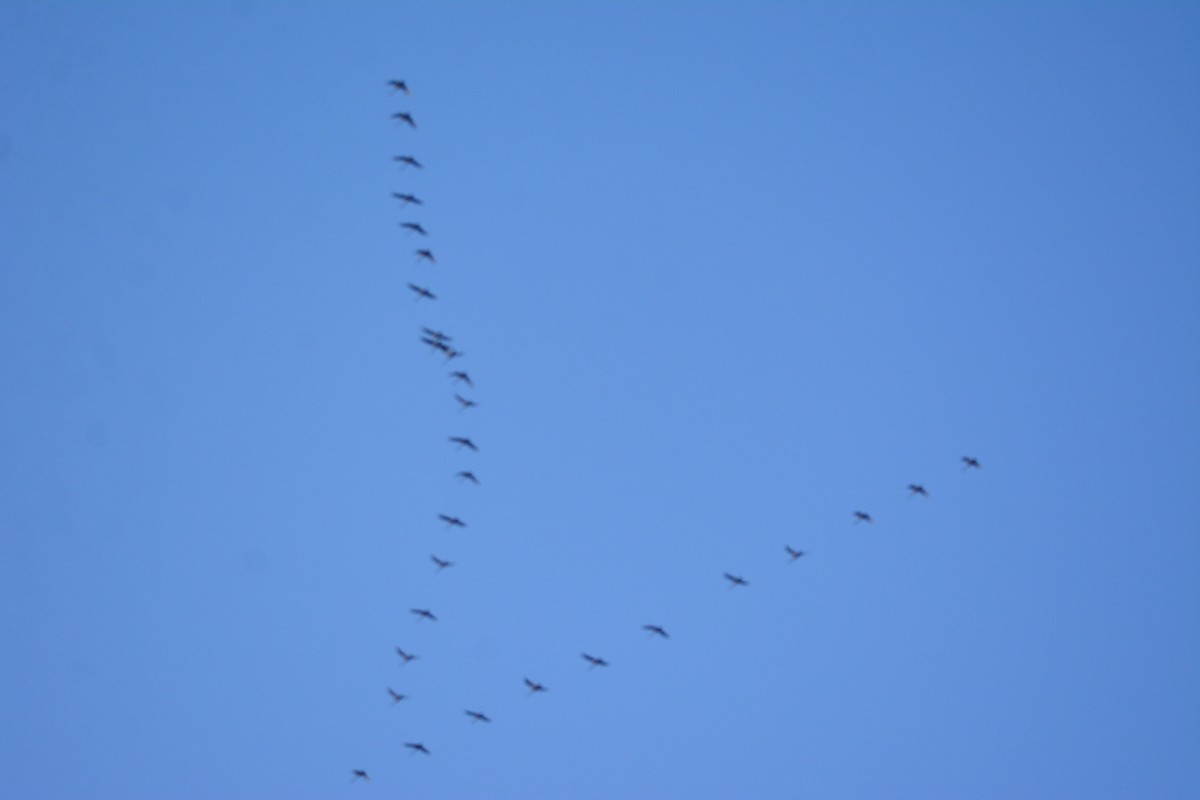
(441, 343)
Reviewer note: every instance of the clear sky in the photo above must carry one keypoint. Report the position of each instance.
(723, 274)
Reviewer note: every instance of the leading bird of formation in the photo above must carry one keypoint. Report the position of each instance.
(443, 344)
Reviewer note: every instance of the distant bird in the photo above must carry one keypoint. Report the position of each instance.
(417, 747)
(451, 353)
(463, 441)
(594, 661)
(408, 161)
(862, 516)
(465, 402)
(441, 563)
(415, 227)
(655, 630)
(404, 116)
(534, 686)
(452, 522)
(424, 613)
(407, 198)
(467, 475)
(399, 86)
(463, 377)
(426, 254)
(436, 344)
(358, 773)
(735, 580)
(478, 716)
(406, 657)
(971, 462)
(422, 292)
(915, 489)
(441, 337)
(396, 696)
(793, 552)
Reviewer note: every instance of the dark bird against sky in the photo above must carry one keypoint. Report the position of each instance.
(422, 292)
(463, 441)
(405, 117)
(793, 552)
(534, 686)
(915, 489)
(399, 86)
(736, 580)
(417, 747)
(408, 161)
(424, 613)
(467, 475)
(462, 377)
(441, 563)
(452, 522)
(478, 716)
(594, 661)
(970, 462)
(396, 696)
(656, 630)
(407, 198)
(415, 227)
(404, 656)
(862, 516)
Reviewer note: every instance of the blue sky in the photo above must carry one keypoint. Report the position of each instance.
(722, 276)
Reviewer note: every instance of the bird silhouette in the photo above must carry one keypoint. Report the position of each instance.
(462, 377)
(465, 402)
(407, 198)
(408, 161)
(467, 475)
(793, 552)
(534, 686)
(441, 337)
(451, 353)
(594, 661)
(915, 489)
(422, 292)
(424, 613)
(441, 563)
(396, 696)
(405, 656)
(655, 630)
(478, 716)
(463, 441)
(415, 227)
(735, 580)
(862, 516)
(452, 522)
(436, 344)
(427, 255)
(399, 86)
(359, 773)
(970, 462)
(417, 747)
(405, 117)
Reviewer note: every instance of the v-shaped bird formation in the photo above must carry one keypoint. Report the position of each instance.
(441, 343)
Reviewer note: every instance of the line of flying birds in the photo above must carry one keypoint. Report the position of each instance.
(441, 343)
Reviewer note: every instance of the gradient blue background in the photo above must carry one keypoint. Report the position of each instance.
(723, 276)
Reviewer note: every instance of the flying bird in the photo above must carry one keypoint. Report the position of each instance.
(793, 552)
(451, 353)
(594, 661)
(465, 402)
(467, 475)
(970, 462)
(436, 344)
(463, 377)
(915, 489)
(441, 337)
(404, 116)
(415, 227)
(408, 161)
(417, 747)
(736, 580)
(422, 292)
(424, 613)
(407, 198)
(862, 516)
(407, 657)
(452, 522)
(426, 254)
(441, 563)
(655, 630)
(534, 686)
(396, 696)
(359, 773)
(478, 716)
(399, 86)
(463, 441)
